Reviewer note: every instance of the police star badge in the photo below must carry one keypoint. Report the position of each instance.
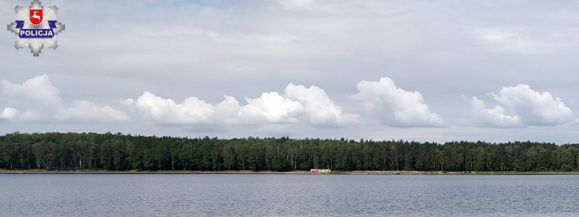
(36, 27)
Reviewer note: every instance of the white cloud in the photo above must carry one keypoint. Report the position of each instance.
(535, 108)
(493, 116)
(41, 102)
(522, 106)
(10, 114)
(268, 108)
(296, 104)
(158, 109)
(319, 106)
(396, 106)
(271, 107)
(37, 90)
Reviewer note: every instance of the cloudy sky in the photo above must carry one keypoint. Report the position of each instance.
(443, 70)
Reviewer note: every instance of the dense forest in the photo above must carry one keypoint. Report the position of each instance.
(116, 152)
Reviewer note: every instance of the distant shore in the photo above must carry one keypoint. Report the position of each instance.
(247, 172)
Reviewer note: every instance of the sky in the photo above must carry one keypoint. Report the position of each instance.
(498, 71)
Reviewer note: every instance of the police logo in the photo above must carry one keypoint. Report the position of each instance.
(36, 27)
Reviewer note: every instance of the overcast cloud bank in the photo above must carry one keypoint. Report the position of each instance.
(302, 68)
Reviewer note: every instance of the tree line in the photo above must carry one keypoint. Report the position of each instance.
(117, 152)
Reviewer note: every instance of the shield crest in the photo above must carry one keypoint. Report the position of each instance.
(36, 16)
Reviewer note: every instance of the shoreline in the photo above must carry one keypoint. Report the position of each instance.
(244, 172)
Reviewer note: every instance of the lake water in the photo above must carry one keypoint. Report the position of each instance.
(286, 195)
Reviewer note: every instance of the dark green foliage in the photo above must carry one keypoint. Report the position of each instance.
(116, 152)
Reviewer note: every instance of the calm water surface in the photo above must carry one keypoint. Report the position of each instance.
(286, 195)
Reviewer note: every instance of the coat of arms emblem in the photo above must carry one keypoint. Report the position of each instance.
(36, 27)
